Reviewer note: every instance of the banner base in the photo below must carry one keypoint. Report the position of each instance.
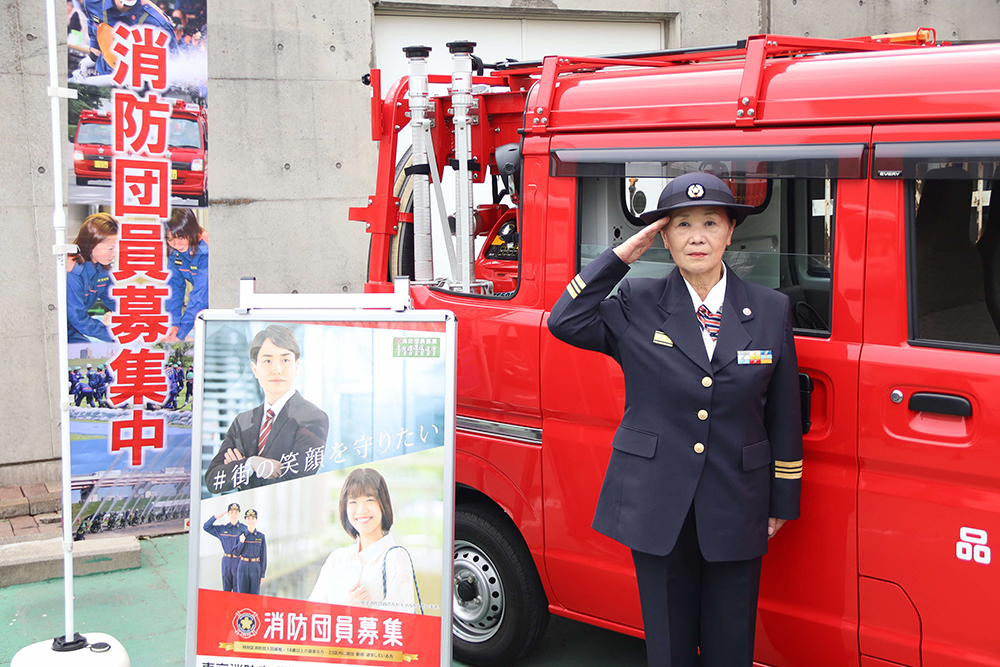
(94, 650)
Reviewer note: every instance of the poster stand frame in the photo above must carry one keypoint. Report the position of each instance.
(396, 306)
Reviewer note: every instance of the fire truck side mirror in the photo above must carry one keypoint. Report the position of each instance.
(508, 159)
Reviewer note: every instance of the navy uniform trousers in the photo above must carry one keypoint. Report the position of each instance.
(252, 554)
(707, 449)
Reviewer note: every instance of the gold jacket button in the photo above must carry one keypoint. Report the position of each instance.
(698, 448)
(706, 381)
(703, 415)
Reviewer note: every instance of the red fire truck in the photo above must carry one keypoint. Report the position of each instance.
(870, 162)
(188, 145)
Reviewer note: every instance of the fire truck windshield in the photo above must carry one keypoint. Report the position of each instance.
(184, 133)
(94, 133)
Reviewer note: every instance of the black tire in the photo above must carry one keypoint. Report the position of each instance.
(499, 608)
(203, 199)
(401, 244)
(82, 181)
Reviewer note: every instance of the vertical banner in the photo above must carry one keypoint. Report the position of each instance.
(138, 194)
(326, 456)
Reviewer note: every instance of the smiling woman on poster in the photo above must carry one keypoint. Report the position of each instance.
(187, 257)
(374, 571)
(89, 279)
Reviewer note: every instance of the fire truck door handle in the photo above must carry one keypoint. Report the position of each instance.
(805, 394)
(944, 404)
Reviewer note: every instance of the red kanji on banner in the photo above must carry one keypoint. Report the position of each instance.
(133, 119)
(140, 313)
(138, 376)
(140, 250)
(143, 59)
(136, 429)
(142, 187)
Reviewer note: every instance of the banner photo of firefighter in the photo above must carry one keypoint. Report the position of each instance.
(322, 522)
(290, 400)
(131, 469)
(140, 120)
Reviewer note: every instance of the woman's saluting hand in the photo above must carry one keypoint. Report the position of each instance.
(638, 244)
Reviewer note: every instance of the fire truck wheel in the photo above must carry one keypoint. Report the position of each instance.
(203, 199)
(499, 608)
(82, 181)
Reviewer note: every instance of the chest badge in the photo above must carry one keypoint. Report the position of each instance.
(661, 338)
(753, 357)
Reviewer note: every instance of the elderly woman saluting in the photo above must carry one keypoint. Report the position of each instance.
(706, 465)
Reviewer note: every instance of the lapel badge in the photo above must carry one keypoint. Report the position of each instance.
(747, 312)
(753, 357)
(661, 338)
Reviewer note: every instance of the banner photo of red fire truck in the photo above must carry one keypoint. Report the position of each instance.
(140, 120)
(326, 464)
(139, 276)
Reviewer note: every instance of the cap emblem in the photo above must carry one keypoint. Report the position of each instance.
(695, 191)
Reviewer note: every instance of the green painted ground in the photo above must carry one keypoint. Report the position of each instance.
(145, 610)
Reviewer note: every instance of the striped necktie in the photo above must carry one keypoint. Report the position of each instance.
(265, 431)
(711, 322)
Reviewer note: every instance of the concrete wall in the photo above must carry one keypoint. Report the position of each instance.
(28, 400)
(291, 150)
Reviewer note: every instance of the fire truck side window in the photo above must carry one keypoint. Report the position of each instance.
(786, 244)
(954, 239)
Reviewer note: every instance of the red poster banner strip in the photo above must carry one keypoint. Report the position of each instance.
(254, 626)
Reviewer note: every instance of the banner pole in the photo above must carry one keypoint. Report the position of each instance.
(60, 251)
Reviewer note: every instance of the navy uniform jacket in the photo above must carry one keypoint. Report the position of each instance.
(227, 533)
(253, 546)
(87, 284)
(744, 418)
(187, 269)
(143, 12)
(299, 427)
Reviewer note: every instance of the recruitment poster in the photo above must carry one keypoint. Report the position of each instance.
(138, 192)
(325, 455)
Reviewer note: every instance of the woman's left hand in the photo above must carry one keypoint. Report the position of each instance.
(773, 526)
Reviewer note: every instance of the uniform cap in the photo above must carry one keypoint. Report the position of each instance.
(234, 506)
(250, 513)
(697, 188)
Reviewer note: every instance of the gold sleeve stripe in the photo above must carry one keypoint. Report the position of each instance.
(573, 291)
(578, 281)
(788, 464)
(788, 475)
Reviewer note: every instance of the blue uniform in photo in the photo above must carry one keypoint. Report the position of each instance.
(229, 535)
(253, 562)
(173, 388)
(142, 13)
(87, 284)
(186, 269)
(96, 380)
(84, 392)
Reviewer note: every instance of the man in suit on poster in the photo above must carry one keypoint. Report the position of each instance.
(271, 441)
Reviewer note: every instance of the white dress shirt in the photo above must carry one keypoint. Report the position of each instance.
(347, 567)
(277, 406)
(714, 303)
